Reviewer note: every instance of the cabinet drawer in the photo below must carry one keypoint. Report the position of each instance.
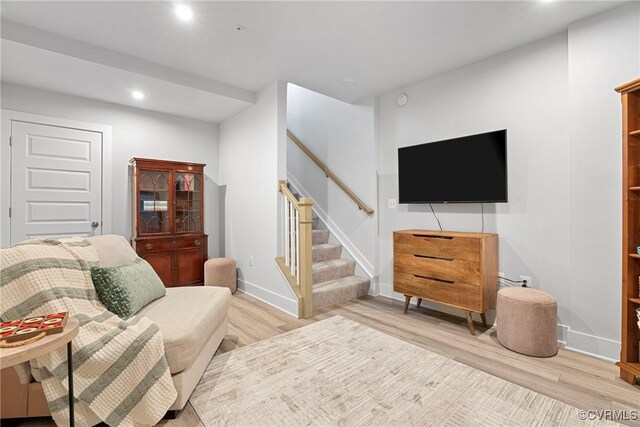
(462, 248)
(452, 293)
(454, 270)
(169, 244)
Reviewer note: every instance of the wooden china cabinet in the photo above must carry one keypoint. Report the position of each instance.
(168, 219)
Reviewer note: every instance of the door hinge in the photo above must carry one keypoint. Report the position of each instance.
(10, 142)
(9, 212)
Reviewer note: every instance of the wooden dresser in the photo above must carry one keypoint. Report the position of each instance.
(168, 219)
(453, 268)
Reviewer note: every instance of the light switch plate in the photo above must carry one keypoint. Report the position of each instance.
(393, 204)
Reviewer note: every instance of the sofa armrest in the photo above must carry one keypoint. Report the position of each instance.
(19, 400)
(14, 396)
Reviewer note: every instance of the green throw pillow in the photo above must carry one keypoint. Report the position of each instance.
(126, 289)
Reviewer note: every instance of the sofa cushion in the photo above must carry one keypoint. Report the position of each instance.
(113, 250)
(126, 289)
(187, 317)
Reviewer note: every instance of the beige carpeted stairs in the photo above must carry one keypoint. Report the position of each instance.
(334, 279)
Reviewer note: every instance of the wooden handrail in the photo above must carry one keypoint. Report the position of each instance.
(329, 174)
(298, 204)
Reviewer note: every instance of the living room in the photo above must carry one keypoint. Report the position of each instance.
(299, 112)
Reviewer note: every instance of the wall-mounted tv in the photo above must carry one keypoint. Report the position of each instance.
(470, 169)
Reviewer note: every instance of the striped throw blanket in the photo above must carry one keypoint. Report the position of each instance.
(121, 374)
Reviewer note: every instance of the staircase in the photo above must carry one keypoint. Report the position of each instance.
(334, 279)
(313, 267)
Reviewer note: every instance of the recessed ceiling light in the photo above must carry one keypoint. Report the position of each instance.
(348, 81)
(137, 94)
(238, 28)
(184, 12)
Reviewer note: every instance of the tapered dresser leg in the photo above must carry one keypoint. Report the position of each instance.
(484, 319)
(407, 300)
(419, 302)
(472, 328)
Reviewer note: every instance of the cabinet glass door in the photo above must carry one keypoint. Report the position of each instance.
(153, 211)
(188, 202)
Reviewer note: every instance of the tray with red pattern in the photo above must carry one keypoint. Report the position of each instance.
(23, 329)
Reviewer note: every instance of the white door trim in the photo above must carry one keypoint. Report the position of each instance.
(5, 164)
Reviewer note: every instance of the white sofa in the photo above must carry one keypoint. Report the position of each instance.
(192, 320)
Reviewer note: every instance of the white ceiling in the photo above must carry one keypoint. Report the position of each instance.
(45, 69)
(380, 45)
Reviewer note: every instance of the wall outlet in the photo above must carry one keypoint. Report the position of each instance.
(251, 262)
(529, 281)
(393, 204)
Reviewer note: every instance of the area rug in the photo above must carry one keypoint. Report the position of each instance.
(340, 373)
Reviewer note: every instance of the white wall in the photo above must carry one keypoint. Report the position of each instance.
(524, 91)
(136, 133)
(252, 144)
(604, 52)
(341, 135)
(562, 223)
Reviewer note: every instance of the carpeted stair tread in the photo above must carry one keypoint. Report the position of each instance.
(340, 290)
(332, 270)
(333, 277)
(326, 251)
(320, 236)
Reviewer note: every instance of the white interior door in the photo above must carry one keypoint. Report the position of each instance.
(56, 181)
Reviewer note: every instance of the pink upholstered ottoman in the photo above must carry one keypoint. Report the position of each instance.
(527, 321)
(220, 272)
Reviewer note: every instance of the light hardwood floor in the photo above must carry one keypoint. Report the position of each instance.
(573, 378)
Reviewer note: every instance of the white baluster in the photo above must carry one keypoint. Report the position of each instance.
(292, 237)
(287, 242)
(297, 214)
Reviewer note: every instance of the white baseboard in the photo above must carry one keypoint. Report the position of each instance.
(277, 301)
(578, 342)
(336, 232)
(591, 345)
(374, 290)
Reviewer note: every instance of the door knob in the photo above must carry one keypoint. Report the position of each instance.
(95, 224)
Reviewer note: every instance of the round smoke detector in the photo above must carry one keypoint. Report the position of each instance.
(403, 99)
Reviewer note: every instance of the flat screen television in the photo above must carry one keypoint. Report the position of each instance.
(470, 169)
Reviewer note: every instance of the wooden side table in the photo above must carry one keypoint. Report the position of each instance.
(16, 355)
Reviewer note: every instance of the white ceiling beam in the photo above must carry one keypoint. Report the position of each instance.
(44, 40)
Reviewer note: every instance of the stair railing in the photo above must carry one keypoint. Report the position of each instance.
(296, 264)
(361, 205)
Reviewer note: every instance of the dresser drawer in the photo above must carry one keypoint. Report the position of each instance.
(459, 248)
(454, 270)
(152, 245)
(452, 293)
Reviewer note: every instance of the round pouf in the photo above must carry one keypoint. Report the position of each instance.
(220, 272)
(527, 320)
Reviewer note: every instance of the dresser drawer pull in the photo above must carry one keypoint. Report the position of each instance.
(196, 242)
(148, 246)
(433, 257)
(431, 236)
(434, 279)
